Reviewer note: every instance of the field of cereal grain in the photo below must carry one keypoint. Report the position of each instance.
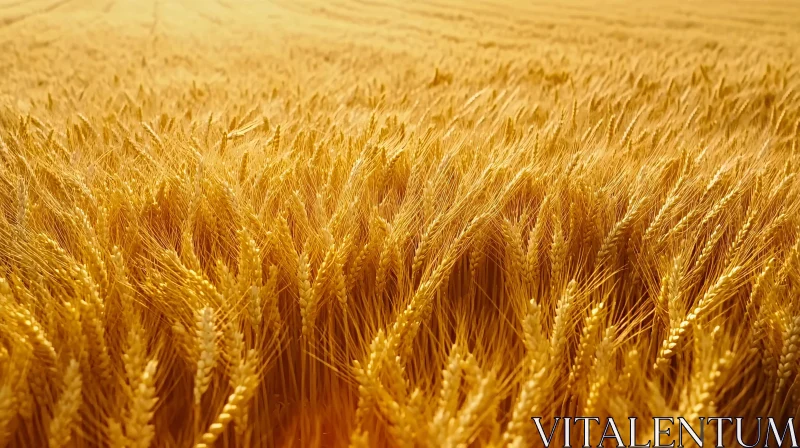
(369, 223)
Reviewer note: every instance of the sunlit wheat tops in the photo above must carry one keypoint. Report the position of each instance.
(395, 224)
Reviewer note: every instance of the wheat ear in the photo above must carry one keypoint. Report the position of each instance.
(138, 429)
(67, 406)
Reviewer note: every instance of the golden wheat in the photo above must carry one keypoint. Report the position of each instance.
(391, 223)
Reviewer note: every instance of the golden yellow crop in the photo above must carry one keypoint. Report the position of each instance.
(241, 223)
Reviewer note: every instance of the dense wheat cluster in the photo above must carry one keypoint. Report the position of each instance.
(393, 223)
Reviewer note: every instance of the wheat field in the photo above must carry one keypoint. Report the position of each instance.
(368, 223)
